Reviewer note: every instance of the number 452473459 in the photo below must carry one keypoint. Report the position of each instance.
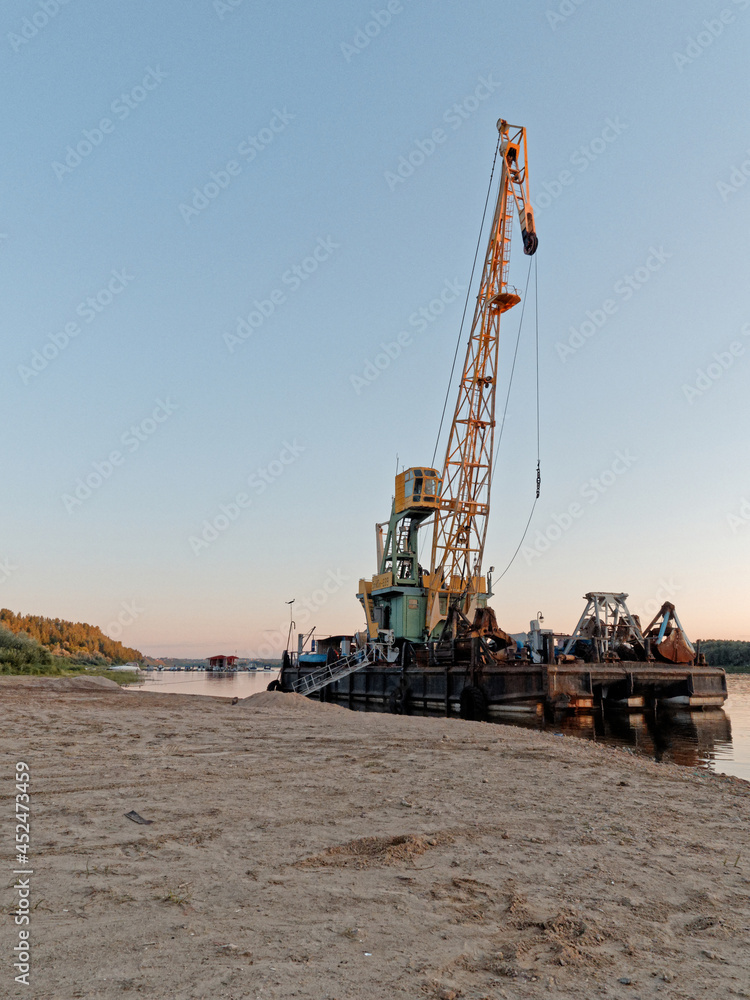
(22, 812)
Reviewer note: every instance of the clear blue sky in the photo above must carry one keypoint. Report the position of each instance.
(171, 169)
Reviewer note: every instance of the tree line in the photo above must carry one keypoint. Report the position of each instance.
(731, 654)
(73, 640)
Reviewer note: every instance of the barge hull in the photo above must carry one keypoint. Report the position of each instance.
(579, 686)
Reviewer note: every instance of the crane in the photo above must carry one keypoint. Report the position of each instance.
(403, 600)
(432, 640)
(460, 526)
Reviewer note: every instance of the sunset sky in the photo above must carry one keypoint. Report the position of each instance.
(218, 218)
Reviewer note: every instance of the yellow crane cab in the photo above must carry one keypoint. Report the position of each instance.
(418, 489)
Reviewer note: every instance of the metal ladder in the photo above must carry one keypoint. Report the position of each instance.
(318, 679)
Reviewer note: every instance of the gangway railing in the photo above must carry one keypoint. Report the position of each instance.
(317, 679)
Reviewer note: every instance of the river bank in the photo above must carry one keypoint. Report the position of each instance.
(717, 739)
(297, 849)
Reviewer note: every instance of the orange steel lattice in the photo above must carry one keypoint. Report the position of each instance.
(461, 523)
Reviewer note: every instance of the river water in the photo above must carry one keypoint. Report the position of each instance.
(718, 739)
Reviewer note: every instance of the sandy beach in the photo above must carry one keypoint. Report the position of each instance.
(302, 850)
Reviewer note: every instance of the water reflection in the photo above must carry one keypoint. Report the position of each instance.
(226, 684)
(688, 738)
(705, 738)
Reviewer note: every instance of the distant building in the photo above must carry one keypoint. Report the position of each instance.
(222, 663)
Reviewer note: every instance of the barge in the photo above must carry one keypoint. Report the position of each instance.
(430, 640)
(465, 676)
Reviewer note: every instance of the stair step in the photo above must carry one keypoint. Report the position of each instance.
(317, 679)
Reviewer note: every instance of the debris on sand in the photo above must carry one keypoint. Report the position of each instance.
(364, 851)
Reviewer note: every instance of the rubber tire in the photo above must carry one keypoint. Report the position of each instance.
(399, 701)
(274, 686)
(473, 703)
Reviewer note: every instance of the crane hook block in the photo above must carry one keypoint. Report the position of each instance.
(528, 231)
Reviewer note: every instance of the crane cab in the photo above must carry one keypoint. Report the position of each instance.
(418, 490)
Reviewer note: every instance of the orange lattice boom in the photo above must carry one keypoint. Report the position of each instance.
(461, 522)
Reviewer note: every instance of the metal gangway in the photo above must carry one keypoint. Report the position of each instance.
(319, 678)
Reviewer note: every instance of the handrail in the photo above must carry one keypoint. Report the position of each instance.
(317, 679)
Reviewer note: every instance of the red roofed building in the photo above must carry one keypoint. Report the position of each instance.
(222, 662)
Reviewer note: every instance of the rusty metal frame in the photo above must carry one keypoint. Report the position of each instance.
(608, 612)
